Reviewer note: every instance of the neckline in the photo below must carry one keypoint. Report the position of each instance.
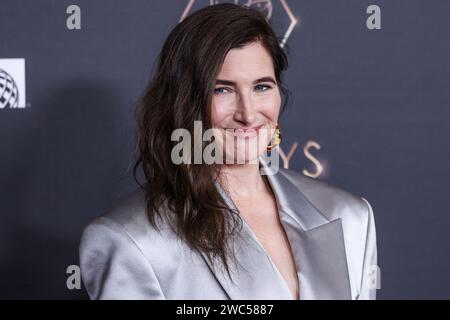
(261, 247)
(277, 271)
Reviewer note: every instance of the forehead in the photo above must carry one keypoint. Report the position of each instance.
(247, 63)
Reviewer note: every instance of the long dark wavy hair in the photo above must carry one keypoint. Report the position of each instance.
(180, 92)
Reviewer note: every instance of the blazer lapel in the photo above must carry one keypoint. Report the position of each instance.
(317, 245)
(255, 276)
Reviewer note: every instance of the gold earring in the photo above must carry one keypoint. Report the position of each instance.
(276, 139)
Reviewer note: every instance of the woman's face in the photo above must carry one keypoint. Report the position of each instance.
(246, 96)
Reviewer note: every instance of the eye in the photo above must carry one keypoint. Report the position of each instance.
(221, 90)
(262, 87)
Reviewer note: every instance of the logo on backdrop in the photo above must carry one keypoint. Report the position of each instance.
(264, 6)
(12, 84)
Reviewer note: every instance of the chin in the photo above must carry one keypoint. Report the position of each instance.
(246, 158)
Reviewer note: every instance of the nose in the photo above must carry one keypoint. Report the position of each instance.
(245, 112)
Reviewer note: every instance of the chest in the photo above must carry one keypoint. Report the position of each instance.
(263, 218)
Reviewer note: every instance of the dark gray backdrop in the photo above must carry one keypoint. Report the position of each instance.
(377, 102)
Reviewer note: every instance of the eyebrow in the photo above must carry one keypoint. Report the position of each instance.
(232, 83)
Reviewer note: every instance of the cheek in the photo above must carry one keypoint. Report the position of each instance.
(272, 105)
(220, 111)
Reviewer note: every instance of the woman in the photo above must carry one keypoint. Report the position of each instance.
(240, 229)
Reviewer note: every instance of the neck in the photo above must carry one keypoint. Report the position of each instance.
(243, 180)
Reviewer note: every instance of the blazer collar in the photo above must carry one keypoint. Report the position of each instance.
(317, 245)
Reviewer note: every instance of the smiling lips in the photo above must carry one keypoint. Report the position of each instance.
(246, 132)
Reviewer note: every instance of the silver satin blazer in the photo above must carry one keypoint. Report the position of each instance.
(331, 234)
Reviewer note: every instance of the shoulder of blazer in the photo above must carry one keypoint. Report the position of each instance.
(332, 201)
(129, 211)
